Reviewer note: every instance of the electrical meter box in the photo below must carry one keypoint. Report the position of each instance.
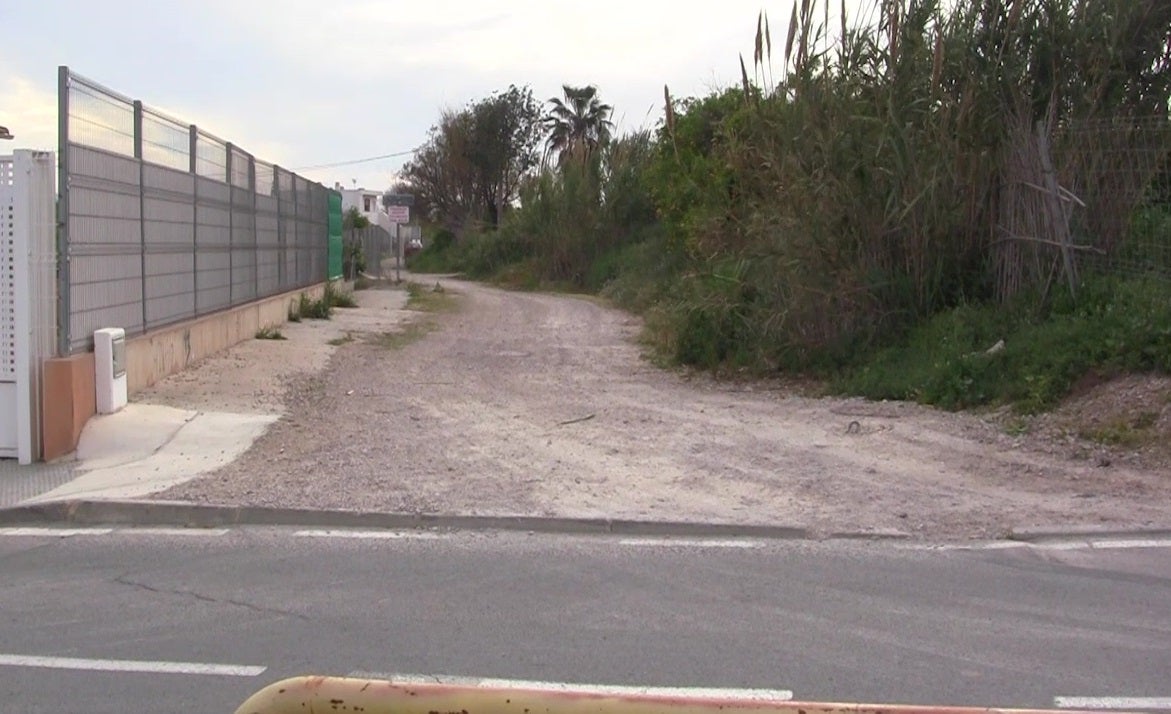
(110, 369)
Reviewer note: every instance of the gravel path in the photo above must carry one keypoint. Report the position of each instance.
(522, 403)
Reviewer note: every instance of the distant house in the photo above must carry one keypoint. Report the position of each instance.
(367, 202)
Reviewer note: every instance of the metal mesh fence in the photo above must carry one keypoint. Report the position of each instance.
(163, 222)
(377, 250)
(1084, 197)
(1119, 175)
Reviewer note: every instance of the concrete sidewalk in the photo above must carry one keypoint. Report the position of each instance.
(146, 448)
(199, 420)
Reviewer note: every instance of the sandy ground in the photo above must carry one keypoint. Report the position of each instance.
(536, 404)
(253, 376)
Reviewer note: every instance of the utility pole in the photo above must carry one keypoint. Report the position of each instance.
(398, 252)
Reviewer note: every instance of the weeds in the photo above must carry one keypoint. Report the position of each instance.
(412, 332)
(314, 309)
(333, 297)
(433, 299)
(1113, 326)
(269, 333)
(343, 340)
(1126, 432)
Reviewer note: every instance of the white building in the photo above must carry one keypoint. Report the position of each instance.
(368, 203)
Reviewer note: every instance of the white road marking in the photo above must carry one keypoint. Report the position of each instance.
(206, 532)
(1138, 543)
(753, 695)
(123, 665)
(367, 535)
(691, 543)
(53, 532)
(1131, 703)
(995, 545)
(1100, 544)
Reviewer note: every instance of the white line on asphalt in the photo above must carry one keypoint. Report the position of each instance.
(123, 665)
(1138, 543)
(996, 545)
(367, 535)
(1134, 703)
(1105, 544)
(690, 543)
(206, 532)
(53, 532)
(754, 695)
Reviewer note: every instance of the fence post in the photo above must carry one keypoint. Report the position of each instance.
(280, 229)
(231, 225)
(255, 228)
(141, 203)
(297, 236)
(192, 152)
(63, 303)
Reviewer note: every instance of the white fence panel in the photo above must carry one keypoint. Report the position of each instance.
(28, 303)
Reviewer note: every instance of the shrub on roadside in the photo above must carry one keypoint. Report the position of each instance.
(952, 360)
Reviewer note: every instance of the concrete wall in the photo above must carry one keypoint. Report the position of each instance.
(69, 382)
(164, 352)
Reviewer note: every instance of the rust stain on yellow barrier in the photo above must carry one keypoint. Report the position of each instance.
(324, 695)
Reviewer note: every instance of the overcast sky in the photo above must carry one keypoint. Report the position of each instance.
(309, 82)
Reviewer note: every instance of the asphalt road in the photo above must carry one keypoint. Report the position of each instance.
(829, 621)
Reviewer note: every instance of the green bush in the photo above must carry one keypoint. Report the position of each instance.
(1113, 326)
(315, 309)
(353, 259)
(336, 297)
(640, 275)
(441, 254)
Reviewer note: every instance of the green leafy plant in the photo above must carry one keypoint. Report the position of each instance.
(339, 298)
(315, 309)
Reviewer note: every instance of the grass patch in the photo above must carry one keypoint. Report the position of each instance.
(430, 299)
(339, 341)
(1017, 426)
(1126, 432)
(412, 332)
(314, 309)
(270, 333)
(338, 298)
(1114, 326)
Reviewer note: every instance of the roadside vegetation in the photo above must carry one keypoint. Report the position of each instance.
(961, 204)
(423, 298)
(321, 308)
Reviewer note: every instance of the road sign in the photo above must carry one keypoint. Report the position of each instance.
(399, 214)
(398, 199)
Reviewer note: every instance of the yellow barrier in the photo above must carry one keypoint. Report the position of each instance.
(322, 695)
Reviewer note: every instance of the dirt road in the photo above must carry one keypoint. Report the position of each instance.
(536, 404)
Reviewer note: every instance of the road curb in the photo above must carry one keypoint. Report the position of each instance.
(193, 515)
(1034, 534)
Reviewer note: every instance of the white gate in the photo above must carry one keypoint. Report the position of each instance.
(27, 296)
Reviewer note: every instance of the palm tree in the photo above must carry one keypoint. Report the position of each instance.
(577, 125)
